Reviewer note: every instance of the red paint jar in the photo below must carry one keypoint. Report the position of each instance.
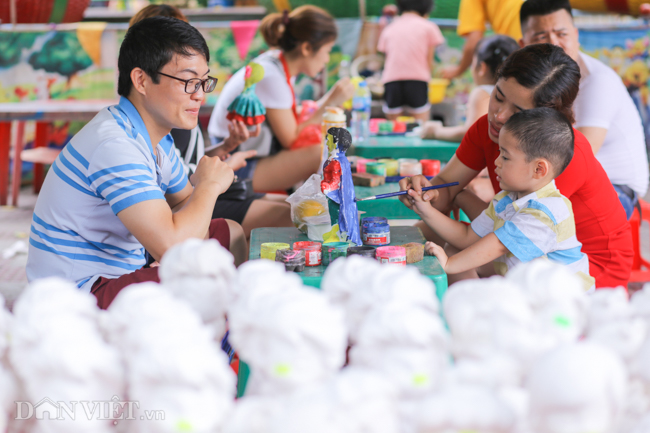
(430, 167)
(312, 252)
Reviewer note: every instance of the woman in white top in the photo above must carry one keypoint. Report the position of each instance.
(304, 39)
(488, 56)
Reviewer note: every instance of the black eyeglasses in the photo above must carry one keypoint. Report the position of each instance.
(192, 85)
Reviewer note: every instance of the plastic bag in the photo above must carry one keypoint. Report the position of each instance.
(309, 209)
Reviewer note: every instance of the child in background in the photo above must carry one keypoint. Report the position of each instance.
(530, 218)
(409, 43)
(488, 56)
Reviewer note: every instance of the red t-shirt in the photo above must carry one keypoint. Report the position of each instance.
(601, 223)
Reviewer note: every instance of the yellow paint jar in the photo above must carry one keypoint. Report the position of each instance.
(267, 250)
(392, 166)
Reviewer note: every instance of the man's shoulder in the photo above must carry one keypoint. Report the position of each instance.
(599, 72)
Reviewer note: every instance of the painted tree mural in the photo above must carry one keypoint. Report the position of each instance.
(62, 54)
(12, 46)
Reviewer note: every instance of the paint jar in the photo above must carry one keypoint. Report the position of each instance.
(410, 169)
(369, 220)
(430, 167)
(268, 249)
(312, 252)
(334, 117)
(375, 233)
(361, 164)
(394, 255)
(392, 166)
(334, 250)
(405, 161)
(294, 260)
(363, 251)
(376, 167)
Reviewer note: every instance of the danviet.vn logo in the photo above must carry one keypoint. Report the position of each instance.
(113, 409)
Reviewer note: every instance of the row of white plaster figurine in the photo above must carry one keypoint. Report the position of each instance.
(530, 353)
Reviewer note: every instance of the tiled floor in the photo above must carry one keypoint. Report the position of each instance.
(15, 223)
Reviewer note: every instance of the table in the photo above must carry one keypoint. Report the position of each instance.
(312, 275)
(396, 146)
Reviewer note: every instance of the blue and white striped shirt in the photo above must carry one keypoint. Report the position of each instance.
(107, 166)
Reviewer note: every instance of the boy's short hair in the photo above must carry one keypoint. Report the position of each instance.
(422, 7)
(531, 8)
(543, 133)
(151, 43)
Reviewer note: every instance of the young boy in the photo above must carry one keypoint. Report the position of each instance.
(530, 218)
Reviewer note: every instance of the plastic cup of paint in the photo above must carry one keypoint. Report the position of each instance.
(361, 164)
(410, 169)
(430, 167)
(393, 255)
(392, 166)
(376, 167)
(268, 249)
(363, 251)
(293, 260)
(312, 252)
(334, 250)
(375, 233)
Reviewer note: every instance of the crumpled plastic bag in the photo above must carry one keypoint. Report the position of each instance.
(309, 209)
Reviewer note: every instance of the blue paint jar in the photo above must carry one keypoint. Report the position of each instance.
(375, 231)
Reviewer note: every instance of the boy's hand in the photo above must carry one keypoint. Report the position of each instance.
(238, 159)
(212, 171)
(418, 204)
(415, 183)
(436, 250)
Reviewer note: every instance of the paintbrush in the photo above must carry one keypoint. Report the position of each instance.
(394, 194)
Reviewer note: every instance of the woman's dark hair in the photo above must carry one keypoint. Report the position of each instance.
(151, 43)
(549, 72)
(494, 50)
(157, 11)
(531, 8)
(422, 7)
(304, 24)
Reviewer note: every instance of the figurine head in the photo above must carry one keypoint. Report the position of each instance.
(342, 138)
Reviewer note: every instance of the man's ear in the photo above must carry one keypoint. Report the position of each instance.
(140, 80)
(305, 49)
(542, 168)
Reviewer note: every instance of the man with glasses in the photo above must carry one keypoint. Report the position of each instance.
(118, 191)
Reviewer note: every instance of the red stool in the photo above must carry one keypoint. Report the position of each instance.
(640, 266)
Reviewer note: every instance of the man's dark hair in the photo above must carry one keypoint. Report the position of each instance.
(531, 8)
(543, 133)
(421, 7)
(151, 43)
(549, 72)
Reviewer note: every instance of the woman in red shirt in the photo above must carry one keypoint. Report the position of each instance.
(540, 75)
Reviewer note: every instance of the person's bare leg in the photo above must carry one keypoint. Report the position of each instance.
(423, 116)
(393, 116)
(238, 245)
(267, 212)
(482, 187)
(286, 168)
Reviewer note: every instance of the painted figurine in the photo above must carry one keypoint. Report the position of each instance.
(338, 187)
(247, 106)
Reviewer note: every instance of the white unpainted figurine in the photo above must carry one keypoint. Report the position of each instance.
(491, 316)
(640, 302)
(614, 324)
(172, 362)
(556, 297)
(289, 335)
(465, 408)
(59, 354)
(202, 273)
(406, 343)
(357, 284)
(577, 388)
(354, 400)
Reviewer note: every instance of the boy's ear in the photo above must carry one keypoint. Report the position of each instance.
(542, 168)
